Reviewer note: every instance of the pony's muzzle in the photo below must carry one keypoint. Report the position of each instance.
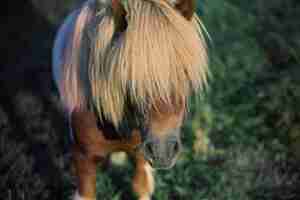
(162, 153)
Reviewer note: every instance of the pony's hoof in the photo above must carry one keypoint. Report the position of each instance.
(78, 197)
(145, 198)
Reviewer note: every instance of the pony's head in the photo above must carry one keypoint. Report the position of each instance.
(155, 58)
(151, 55)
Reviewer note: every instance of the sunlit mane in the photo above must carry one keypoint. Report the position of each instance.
(160, 57)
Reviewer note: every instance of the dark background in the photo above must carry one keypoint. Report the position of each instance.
(32, 147)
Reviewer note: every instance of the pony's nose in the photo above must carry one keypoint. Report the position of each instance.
(162, 154)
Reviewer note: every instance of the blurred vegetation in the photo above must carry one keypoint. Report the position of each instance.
(242, 136)
(56, 10)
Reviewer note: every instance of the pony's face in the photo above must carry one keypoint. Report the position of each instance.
(161, 140)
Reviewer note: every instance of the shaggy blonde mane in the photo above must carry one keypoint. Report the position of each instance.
(160, 58)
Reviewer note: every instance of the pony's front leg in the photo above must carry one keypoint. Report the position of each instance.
(85, 171)
(88, 150)
(143, 181)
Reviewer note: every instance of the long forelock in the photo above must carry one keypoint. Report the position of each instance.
(160, 57)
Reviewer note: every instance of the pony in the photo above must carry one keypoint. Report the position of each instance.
(125, 70)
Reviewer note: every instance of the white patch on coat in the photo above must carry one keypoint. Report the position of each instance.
(78, 197)
(150, 178)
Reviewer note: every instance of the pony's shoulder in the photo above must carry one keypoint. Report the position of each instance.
(61, 41)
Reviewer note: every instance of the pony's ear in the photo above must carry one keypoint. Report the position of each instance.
(119, 13)
(185, 7)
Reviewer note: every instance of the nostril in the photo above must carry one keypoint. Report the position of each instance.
(149, 149)
(176, 146)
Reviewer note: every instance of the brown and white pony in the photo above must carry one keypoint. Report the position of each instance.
(125, 70)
